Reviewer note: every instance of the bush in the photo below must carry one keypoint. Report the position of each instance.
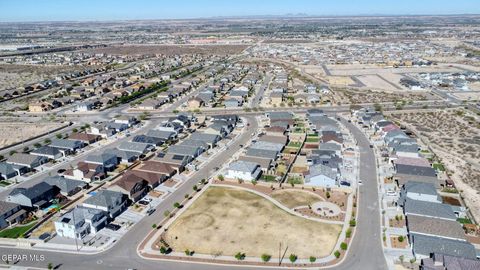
(312, 259)
(266, 257)
(166, 213)
(343, 246)
(353, 223)
(240, 256)
(176, 205)
(163, 250)
(293, 258)
(154, 225)
(401, 238)
(337, 254)
(348, 233)
(189, 252)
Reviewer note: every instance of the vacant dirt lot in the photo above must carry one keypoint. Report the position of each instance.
(172, 49)
(454, 136)
(224, 221)
(295, 198)
(355, 96)
(13, 132)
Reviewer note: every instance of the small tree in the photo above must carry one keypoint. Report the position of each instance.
(266, 257)
(328, 195)
(400, 238)
(337, 254)
(195, 188)
(176, 205)
(221, 177)
(189, 252)
(348, 233)
(13, 152)
(343, 246)
(37, 145)
(312, 259)
(163, 250)
(50, 266)
(187, 196)
(154, 225)
(47, 141)
(293, 258)
(240, 256)
(166, 213)
(254, 182)
(59, 136)
(203, 181)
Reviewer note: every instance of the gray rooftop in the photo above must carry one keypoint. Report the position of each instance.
(243, 166)
(262, 153)
(105, 198)
(429, 209)
(64, 184)
(415, 170)
(425, 245)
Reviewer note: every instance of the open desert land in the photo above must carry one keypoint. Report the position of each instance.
(224, 221)
(468, 96)
(369, 69)
(169, 50)
(14, 76)
(359, 96)
(13, 132)
(454, 137)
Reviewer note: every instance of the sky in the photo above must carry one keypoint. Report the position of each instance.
(106, 10)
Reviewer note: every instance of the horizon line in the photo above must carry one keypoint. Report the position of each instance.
(265, 16)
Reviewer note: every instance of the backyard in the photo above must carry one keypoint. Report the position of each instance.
(224, 221)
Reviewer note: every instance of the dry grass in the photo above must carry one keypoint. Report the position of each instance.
(295, 198)
(224, 221)
(47, 227)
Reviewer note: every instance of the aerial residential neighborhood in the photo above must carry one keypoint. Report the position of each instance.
(250, 134)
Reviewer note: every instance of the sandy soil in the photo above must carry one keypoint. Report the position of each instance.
(224, 221)
(23, 131)
(454, 137)
(295, 198)
(350, 96)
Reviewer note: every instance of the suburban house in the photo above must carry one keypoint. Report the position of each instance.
(86, 172)
(80, 222)
(102, 130)
(191, 152)
(148, 140)
(244, 170)
(136, 147)
(419, 191)
(321, 175)
(11, 213)
(262, 153)
(153, 178)
(428, 209)
(106, 160)
(109, 201)
(132, 185)
(209, 139)
(26, 160)
(122, 156)
(450, 229)
(162, 134)
(35, 196)
(8, 171)
(84, 137)
(448, 262)
(48, 152)
(406, 173)
(424, 246)
(157, 167)
(65, 144)
(68, 187)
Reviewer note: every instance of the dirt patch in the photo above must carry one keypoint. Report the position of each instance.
(23, 131)
(296, 198)
(224, 221)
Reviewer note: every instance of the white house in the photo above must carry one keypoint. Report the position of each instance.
(80, 222)
(243, 170)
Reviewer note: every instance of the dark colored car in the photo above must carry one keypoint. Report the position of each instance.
(113, 227)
